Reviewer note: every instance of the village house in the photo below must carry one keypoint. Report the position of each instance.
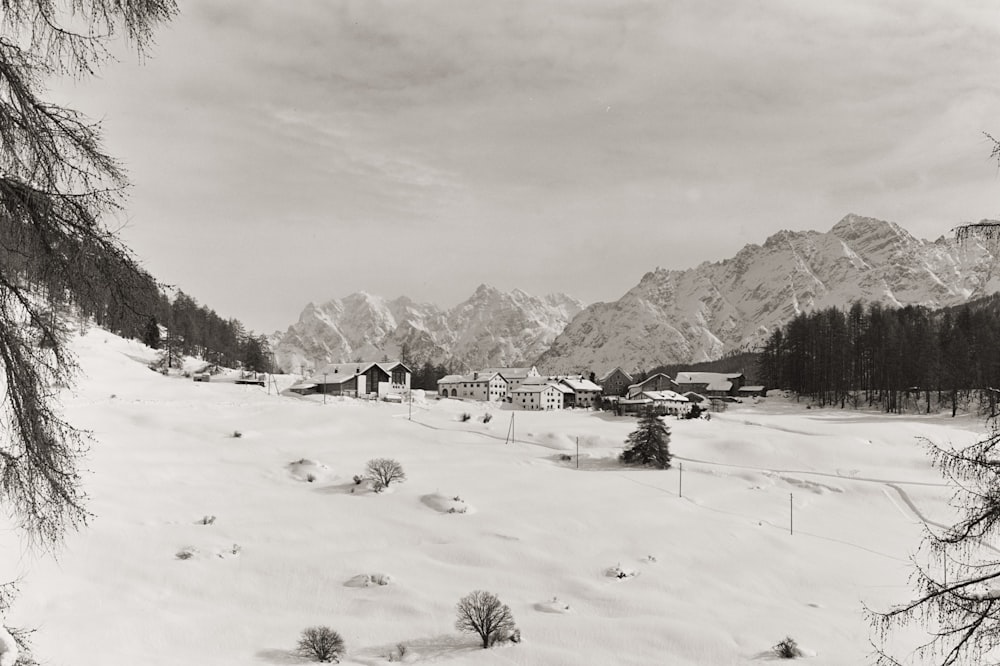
(514, 376)
(752, 392)
(711, 384)
(667, 402)
(657, 382)
(358, 380)
(485, 386)
(615, 382)
(543, 397)
(584, 392)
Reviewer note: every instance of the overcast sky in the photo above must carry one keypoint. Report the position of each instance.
(284, 152)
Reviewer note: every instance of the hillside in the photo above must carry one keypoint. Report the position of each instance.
(710, 578)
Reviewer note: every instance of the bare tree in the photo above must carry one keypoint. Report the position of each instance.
(56, 184)
(483, 613)
(383, 471)
(956, 570)
(320, 644)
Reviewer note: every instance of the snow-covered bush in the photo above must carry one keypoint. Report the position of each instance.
(321, 644)
(787, 649)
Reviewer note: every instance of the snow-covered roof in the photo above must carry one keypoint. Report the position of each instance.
(752, 388)
(581, 385)
(670, 396)
(335, 371)
(302, 386)
(535, 388)
(706, 377)
(474, 378)
(562, 388)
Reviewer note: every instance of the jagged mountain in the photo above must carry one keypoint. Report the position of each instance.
(702, 313)
(491, 328)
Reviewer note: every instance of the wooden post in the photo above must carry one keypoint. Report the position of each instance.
(680, 480)
(791, 515)
(324, 388)
(578, 453)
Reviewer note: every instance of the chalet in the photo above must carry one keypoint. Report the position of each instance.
(584, 392)
(537, 397)
(514, 376)
(711, 384)
(615, 382)
(484, 386)
(362, 379)
(667, 402)
(657, 382)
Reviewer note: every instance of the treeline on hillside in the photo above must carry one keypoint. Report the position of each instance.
(191, 329)
(896, 358)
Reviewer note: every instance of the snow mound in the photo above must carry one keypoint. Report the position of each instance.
(369, 580)
(308, 470)
(446, 504)
(554, 606)
(620, 572)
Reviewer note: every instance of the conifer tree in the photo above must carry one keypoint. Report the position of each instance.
(649, 444)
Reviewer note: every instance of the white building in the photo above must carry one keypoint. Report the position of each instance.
(485, 386)
(668, 402)
(514, 376)
(585, 392)
(536, 397)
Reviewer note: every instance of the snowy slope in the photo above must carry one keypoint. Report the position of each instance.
(702, 313)
(490, 328)
(719, 579)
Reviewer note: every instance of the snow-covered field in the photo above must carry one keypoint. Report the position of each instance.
(717, 579)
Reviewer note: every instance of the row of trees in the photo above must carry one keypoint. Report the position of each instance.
(897, 358)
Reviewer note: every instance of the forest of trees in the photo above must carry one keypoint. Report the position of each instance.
(897, 358)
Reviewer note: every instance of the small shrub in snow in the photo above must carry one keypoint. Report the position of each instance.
(383, 471)
(483, 613)
(457, 498)
(208, 520)
(358, 479)
(465, 416)
(310, 477)
(787, 649)
(237, 434)
(401, 649)
(321, 644)
(565, 457)
(185, 553)
(487, 418)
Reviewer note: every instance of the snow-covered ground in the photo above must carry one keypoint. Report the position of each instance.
(713, 577)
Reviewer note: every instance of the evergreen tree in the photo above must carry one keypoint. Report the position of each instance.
(151, 336)
(649, 444)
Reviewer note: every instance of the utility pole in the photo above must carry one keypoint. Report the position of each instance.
(324, 388)
(791, 515)
(409, 416)
(578, 453)
(680, 480)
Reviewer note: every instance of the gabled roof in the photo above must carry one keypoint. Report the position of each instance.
(474, 378)
(337, 371)
(706, 377)
(607, 374)
(535, 388)
(581, 385)
(562, 388)
(651, 378)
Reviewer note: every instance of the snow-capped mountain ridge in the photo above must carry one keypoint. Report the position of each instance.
(491, 327)
(717, 307)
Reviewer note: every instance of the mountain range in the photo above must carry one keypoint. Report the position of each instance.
(490, 328)
(671, 316)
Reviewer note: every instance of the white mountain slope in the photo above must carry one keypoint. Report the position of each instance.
(702, 313)
(490, 328)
